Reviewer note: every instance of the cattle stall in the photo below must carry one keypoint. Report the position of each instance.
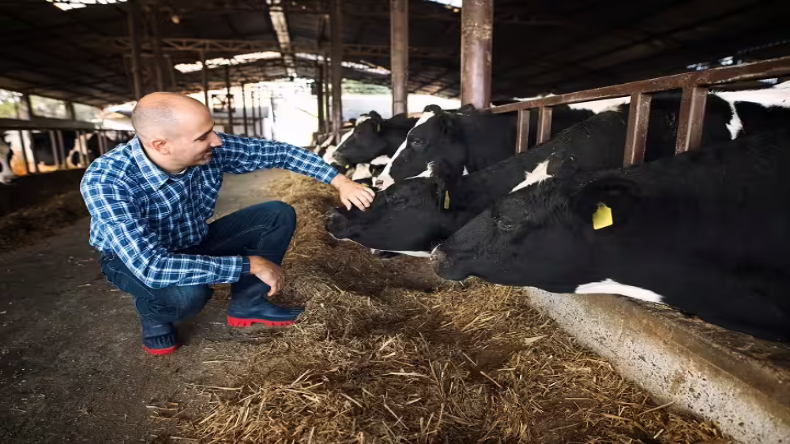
(52, 143)
(694, 85)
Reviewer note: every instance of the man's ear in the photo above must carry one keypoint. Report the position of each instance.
(608, 201)
(161, 146)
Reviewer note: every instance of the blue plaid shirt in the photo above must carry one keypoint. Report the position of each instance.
(143, 215)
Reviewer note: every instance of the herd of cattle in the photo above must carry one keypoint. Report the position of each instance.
(704, 231)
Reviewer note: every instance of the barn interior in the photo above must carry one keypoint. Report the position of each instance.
(106, 53)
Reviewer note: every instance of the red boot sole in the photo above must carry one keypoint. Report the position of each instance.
(161, 351)
(239, 322)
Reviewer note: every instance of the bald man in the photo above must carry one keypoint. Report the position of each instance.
(149, 201)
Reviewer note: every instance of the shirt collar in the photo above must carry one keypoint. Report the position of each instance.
(154, 175)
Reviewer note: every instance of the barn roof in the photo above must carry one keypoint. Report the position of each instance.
(540, 46)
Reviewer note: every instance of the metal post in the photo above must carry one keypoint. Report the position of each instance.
(522, 140)
(160, 81)
(82, 148)
(337, 69)
(24, 152)
(327, 94)
(544, 125)
(62, 149)
(636, 136)
(260, 109)
(70, 113)
(228, 100)
(692, 115)
(244, 110)
(172, 71)
(319, 87)
(54, 146)
(477, 21)
(252, 110)
(399, 55)
(205, 78)
(134, 35)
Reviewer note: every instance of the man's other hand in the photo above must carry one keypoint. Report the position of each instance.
(270, 273)
(352, 193)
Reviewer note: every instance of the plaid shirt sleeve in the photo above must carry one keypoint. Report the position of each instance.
(244, 155)
(118, 217)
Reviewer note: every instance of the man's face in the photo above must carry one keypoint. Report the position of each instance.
(195, 141)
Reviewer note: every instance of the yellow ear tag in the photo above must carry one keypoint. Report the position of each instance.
(378, 128)
(348, 166)
(446, 200)
(602, 217)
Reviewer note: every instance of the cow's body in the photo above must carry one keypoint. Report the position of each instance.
(705, 231)
(373, 137)
(466, 139)
(594, 144)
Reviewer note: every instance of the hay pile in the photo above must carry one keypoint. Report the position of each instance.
(28, 225)
(388, 353)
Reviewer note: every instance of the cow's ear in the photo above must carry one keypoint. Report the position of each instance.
(606, 202)
(446, 177)
(436, 109)
(375, 116)
(467, 109)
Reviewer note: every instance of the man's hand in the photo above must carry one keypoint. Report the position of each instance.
(270, 273)
(352, 193)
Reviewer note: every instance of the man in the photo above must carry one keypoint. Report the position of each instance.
(149, 200)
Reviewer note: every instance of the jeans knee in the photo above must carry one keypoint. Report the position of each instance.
(189, 300)
(286, 214)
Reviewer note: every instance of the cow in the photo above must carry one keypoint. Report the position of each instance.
(373, 137)
(6, 173)
(478, 139)
(442, 201)
(705, 232)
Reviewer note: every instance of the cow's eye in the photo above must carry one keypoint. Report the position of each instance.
(504, 224)
(417, 141)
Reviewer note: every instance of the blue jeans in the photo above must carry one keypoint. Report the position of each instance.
(260, 230)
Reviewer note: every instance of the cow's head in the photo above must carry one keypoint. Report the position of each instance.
(409, 216)
(436, 137)
(6, 173)
(542, 236)
(365, 141)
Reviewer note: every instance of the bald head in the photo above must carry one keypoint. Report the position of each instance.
(162, 114)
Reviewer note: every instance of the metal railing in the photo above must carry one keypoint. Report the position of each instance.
(55, 130)
(695, 86)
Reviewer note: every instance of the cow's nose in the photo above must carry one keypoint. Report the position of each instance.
(379, 183)
(438, 256)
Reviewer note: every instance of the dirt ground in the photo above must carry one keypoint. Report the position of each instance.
(71, 364)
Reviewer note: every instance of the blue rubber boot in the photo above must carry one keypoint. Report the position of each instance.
(159, 339)
(249, 305)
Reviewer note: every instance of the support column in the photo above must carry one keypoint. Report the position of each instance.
(319, 92)
(205, 78)
(477, 29)
(337, 69)
(160, 78)
(254, 132)
(133, 16)
(229, 101)
(260, 109)
(244, 110)
(399, 55)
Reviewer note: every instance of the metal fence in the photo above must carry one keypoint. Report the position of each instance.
(695, 87)
(53, 136)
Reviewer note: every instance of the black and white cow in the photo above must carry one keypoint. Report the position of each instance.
(373, 137)
(705, 231)
(466, 140)
(6, 173)
(415, 215)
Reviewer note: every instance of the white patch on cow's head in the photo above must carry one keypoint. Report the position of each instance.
(362, 171)
(735, 124)
(427, 173)
(6, 173)
(539, 174)
(345, 137)
(465, 171)
(381, 160)
(410, 253)
(385, 179)
(609, 286)
(361, 119)
(329, 155)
